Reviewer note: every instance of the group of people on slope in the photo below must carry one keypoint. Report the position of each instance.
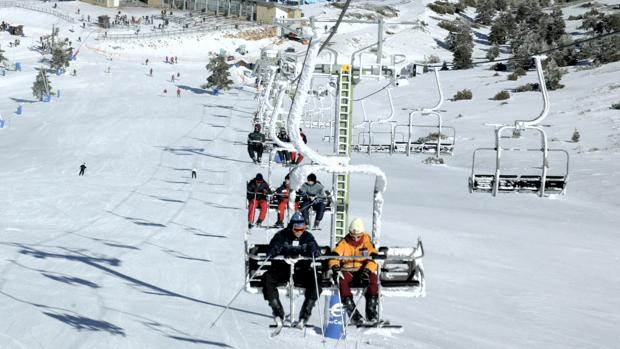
(312, 193)
(295, 240)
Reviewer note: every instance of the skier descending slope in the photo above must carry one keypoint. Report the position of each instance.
(292, 241)
(82, 169)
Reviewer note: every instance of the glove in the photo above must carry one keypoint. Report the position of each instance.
(365, 277)
(336, 274)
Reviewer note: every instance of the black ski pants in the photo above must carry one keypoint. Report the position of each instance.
(279, 272)
(255, 150)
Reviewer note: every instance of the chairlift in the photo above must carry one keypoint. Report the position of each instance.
(400, 273)
(367, 141)
(439, 142)
(540, 183)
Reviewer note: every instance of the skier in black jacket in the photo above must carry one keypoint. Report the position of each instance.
(82, 169)
(256, 143)
(292, 241)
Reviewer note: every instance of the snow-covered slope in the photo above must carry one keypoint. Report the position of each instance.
(137, 254)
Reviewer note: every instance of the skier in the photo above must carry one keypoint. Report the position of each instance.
(313, 195)
(172, 78)
(282, 194)
(292, 241)
(146, 62)
(257, 191)
(284, 155)
(256, 141)
(363, 271)
(82, 169)
(193, 173)
(166, 59)
(179, 74)
(178, 92)
(151, 72)
(165, 92)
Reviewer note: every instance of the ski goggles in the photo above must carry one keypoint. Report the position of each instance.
(299, 228)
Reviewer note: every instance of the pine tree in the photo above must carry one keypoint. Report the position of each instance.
(220, 76)
(553, 75)
(61, 54)
(566, 56)
(2, 56)
(502, 28)
(558, 25)
(525, 43)
(464, 46)
(493, 53)
(41, 86)
(485, 12)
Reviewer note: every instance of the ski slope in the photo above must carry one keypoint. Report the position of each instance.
(136, 254)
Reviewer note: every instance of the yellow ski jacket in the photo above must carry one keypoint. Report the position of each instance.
(350, 247)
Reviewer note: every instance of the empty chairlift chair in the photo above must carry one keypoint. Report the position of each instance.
(540, 183)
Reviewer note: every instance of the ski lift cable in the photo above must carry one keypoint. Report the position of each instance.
(574, 43)
(503, 59)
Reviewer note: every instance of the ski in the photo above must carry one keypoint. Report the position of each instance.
(378, 324)
(276, 331)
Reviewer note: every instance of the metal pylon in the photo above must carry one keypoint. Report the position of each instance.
(343, 148)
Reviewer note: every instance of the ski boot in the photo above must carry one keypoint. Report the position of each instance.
(259, 223)
(279, 224)
(355, 318)
(277, 310)
(306, 311)
(316, 225)
(372, 309)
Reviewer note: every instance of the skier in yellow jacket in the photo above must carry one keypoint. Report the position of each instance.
(361, 271)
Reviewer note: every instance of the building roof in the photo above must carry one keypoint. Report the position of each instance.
(270, 4)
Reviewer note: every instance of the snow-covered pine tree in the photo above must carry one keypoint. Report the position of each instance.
(61, 54)
(485, 10)
(493, 52)
(525, 43)
(553, 75)
(464, 46)
(41, 86)
(2, 56)
(220, 76)
(558, 26)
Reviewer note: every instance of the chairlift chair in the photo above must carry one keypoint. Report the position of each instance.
(541, 183)
(372, 141)
(440, 142)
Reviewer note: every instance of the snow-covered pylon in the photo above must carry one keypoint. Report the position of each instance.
(410, 259)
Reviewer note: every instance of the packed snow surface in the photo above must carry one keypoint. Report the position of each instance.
(137, 254)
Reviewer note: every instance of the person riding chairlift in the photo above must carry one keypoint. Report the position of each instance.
(361, 271)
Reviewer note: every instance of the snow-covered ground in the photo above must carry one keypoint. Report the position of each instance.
(137, 254)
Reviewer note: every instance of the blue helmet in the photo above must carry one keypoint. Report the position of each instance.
(298, 220)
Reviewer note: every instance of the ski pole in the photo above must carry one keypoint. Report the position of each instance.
(237, 294)
(346, 323)
(316, 285)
